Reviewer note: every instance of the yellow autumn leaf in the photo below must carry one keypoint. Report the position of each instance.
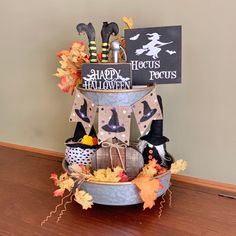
(128, 21)
(64, 58)
(179, 165)
(80, 170)
(84, 199)
(76, 168)
(61, 72)
(65, 182)
(64, 64)
(117, 170)
(104, 175)
(149, 169)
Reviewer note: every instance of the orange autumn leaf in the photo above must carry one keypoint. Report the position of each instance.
(148, 188)
(54, 177)
(152, 163)
(59, 192)
(63, 52)
(128, 21)
(69, 71)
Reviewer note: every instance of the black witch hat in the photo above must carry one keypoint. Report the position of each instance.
(147, 112)
(155, 135)
(82, 112)
(113, 124)
(79, 134)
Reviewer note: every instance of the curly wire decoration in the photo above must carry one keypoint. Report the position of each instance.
(162, 202)
(76, 185)
(71, 194)
(170, 197)
(65, 208)
(55, 210)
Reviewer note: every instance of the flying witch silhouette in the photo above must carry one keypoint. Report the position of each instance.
(152, 48)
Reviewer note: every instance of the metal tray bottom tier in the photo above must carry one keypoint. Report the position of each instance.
(118, 194)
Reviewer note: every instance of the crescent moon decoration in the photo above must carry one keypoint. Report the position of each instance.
(134, 37)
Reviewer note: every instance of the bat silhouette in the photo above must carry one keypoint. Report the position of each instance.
(171, 52)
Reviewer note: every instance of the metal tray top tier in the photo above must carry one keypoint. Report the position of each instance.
(125, 97)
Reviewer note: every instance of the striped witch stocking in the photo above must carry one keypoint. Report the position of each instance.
(90, 32)
(107, 30)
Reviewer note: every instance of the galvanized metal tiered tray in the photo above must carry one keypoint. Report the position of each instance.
(122, 193)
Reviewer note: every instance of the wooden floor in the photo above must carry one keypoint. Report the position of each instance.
(26, 198)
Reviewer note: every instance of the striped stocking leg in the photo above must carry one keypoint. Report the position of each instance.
(107, 30)
(90, 32)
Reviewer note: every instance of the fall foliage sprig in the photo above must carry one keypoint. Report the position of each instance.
(80, 173)
(147, 184)
(70, 70)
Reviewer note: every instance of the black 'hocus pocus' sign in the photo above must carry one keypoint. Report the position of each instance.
(154, 54)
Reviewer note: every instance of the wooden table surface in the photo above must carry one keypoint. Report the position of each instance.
(26, 198)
